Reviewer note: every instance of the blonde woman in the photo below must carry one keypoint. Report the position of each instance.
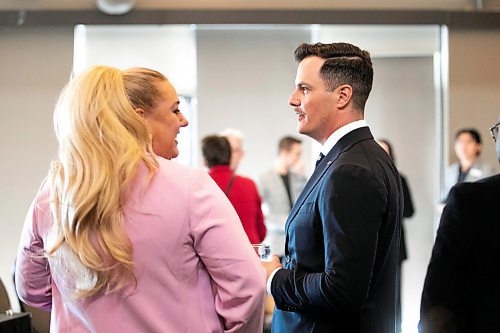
(121, 239)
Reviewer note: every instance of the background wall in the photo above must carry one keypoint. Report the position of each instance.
(474, 88)
(34, 65)
(170, 49)
(245, 77)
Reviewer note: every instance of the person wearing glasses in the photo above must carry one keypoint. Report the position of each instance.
(469, 167)
(462, 288)
(494, 134)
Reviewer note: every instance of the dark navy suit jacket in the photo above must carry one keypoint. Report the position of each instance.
(342, 244)
(462, 288)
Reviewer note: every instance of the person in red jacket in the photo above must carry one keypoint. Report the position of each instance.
(241, 191)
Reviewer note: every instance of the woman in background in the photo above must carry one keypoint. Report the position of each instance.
(469, 167)
(408, 211)
(121, 239)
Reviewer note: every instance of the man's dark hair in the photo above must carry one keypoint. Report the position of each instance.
(473, 133)
(287, 142)
(216, 150)
(344, 64)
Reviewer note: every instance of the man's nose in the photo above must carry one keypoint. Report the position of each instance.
(294, 101)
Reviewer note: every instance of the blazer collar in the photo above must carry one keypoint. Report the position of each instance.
(340, 133)
(344, 144)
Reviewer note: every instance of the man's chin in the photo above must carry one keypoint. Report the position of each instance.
(302, 130)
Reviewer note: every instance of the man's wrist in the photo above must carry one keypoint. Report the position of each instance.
(270, 280)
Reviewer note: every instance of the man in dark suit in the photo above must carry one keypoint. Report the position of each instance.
(342, 235)
(462, 287)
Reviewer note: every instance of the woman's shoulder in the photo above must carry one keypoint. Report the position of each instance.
(174, 172)
(42, 198)
(180, 170)
(171, 179)
(168, 175)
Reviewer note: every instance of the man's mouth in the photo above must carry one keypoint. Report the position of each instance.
(300, 115)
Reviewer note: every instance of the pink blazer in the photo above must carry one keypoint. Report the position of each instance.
(196, 271)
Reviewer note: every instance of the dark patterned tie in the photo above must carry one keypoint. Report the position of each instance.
(320, 157)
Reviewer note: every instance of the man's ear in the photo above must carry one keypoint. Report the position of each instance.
(344, 95)
(140, 112)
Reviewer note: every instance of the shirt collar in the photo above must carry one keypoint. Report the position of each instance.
(339, 133)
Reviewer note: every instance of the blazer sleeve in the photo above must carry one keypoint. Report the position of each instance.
(352, 205)
(220, 241)
(447, 285)
(32, 275)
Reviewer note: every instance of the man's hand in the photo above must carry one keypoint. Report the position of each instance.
(271, 265)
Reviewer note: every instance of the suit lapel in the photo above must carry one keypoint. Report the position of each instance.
(344, 144)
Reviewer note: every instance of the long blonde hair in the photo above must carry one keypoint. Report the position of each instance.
(102, 140)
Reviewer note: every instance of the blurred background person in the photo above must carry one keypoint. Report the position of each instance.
(469, 167)
(241, 191)
(235, 138)
(408, 211)
(118, 233)
(280, 187)
(461, 292)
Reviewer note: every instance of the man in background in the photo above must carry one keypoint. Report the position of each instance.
(279, 188)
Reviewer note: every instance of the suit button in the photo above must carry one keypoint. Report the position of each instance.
(287, 259)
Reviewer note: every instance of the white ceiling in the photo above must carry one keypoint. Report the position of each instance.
(460, 5)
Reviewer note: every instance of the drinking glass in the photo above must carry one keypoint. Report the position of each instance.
(263, 251)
